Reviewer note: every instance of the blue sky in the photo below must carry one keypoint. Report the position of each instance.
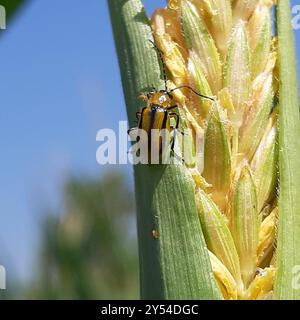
(60, 85)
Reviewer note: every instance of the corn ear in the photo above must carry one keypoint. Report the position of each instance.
(218, 237)
(256, 117)
(199, 40)
(264, 165)
(219, 21)
(245, 223)
(260, 39)
(267, 235)
(224, 278)
(243, 9)
(238, 71)
(262, 286)
(217, 156)
(200, 83)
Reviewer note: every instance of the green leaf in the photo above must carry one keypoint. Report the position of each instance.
(174, 262)
(12, 6)
(288, 253)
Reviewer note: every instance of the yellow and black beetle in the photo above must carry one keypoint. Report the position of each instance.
(160, 109)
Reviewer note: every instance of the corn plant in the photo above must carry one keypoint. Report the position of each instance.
(225, 227)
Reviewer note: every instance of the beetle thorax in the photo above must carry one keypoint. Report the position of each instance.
(160, 98)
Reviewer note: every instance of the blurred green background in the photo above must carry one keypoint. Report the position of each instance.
(67, 225)
(88, 252)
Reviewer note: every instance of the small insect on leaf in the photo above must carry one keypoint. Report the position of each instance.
(159, 119)
(155, 234)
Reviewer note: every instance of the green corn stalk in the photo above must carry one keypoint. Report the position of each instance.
(231, 196)
(174, 260)
(288, 253)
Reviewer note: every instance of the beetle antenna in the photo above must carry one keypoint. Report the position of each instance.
(164, 69)
(195, 92)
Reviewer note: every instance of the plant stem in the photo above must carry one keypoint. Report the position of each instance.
(174, 262)
(288, 253)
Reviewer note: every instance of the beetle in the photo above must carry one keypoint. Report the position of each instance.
(160, 109)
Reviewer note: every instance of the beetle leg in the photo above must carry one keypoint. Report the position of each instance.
(178, 157)
(172, 107)
(130, 130)
(174, 153)
(176, 116)
(143, 97)
(138, 115)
